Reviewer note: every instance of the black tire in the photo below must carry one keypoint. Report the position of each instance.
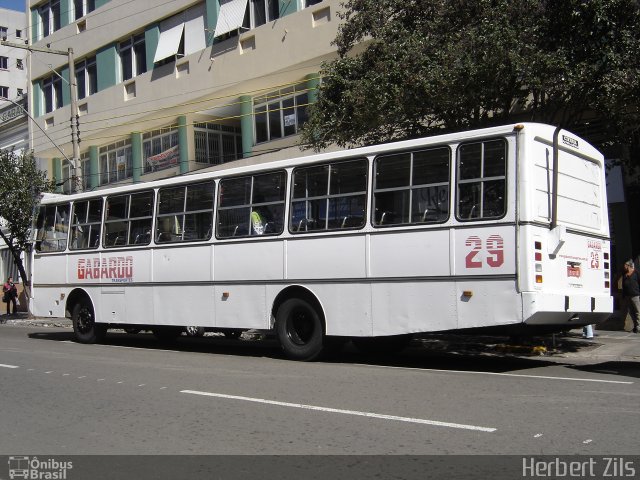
(382, 345)
(193, 331)
(299, 330)
(167, 334)
(85, 327)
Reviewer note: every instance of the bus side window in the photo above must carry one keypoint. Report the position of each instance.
(412, 187)
(481, 177)
(252, 205)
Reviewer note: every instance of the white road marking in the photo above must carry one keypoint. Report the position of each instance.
(142, 385)
(50, 371)
(537, 435)
(162, 388)
(588, 441)
(470, 372)
(83, 376)
(120, 382)
(66, 374)
(9, 366)
(342, 411)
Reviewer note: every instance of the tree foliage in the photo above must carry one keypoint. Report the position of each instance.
(21, 186)
(409, 68)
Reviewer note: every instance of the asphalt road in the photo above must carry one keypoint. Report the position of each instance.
(217, 396)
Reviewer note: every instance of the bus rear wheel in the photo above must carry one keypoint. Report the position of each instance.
(299, 330)
(85, 327)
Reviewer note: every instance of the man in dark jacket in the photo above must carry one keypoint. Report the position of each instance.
(631, 293)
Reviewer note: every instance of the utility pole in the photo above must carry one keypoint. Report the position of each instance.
(75, 137)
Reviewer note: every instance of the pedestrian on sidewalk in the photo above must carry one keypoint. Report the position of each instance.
(10, 294)
(631, 293)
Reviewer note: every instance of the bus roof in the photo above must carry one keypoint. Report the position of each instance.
(230, 169)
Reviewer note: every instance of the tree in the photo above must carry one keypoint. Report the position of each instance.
(21, 186)
(410, 68)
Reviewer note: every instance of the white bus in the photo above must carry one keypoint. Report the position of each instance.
(499, 227)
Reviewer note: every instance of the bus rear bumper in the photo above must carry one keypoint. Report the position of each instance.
(571, 310)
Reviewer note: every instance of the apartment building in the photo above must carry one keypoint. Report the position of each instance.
(13, 81)
(166, 88)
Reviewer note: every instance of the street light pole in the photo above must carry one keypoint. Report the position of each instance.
(75, 137)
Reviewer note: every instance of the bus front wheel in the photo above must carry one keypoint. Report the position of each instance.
(299, 330)
(85, 327)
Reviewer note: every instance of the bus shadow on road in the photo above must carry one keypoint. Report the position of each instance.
(462, 354)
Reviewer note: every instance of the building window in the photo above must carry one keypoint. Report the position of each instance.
(115, 162)
(86, 170)
(18, 33)
(231, 18)
(133, 57)
(4, 63)
(281, 113)
(481, 180)
(82, 7)
(216, 144)
(308, 3)
(263, 11)
(4, 92)
(160, 149)
(86, 77)
(52, 89)
(3, 33)
(20, 92)
(49, 17)
(19, 64)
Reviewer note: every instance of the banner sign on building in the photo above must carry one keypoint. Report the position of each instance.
(166, 159)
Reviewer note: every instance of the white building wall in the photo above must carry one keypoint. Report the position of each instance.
(207, 83)
(13, 77)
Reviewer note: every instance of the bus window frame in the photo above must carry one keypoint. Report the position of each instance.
(157, 216)
(482, 180)
(128, 219)
(41, 233)
(328, 196)
(100, 223)
(410, 187)
(251, 205)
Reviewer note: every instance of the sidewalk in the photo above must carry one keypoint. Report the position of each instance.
(608, 345)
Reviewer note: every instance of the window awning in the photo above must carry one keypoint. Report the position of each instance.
(194, 32)
(230, 16)
(170, 36)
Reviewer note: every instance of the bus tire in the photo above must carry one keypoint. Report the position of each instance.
(299, 330)
(382, 345)
(194, 331)
(85, 328)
